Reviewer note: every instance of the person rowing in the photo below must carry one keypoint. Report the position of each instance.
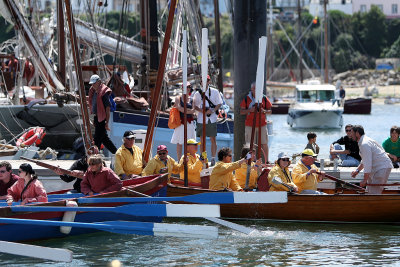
(305, 174)
(281, 170)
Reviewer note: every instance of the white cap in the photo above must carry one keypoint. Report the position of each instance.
(94, 79)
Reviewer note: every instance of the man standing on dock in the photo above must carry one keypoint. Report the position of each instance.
(213, 103)
(248, 108)
(99, 102)
(375, 162)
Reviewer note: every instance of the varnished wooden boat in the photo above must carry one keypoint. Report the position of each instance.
(151, 185)
(342, 208)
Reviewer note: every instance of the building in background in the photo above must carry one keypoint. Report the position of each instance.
(316, 7)
(389, 7)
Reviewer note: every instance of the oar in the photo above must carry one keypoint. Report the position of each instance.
(126, 227)
(342, 181)
(46, 253)
(157, 210)
(234, 226)
(184, 76)
(277, 180)
(203, 198)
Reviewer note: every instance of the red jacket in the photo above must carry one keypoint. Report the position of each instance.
(100, 182)
(101, 111)
(34, 193)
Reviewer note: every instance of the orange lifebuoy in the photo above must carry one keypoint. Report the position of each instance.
(33, 136)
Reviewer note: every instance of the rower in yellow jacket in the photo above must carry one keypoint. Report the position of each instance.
(241, 173)
(128, 158)
(195, 164)
(281, 170)
(161, 163)
(222, 174)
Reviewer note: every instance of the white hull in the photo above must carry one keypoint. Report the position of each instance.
(317, 115)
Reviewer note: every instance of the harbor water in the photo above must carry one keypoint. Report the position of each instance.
(272, 244)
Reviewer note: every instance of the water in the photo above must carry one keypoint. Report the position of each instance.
(273, 244)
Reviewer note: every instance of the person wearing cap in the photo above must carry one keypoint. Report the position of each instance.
(222, 177)
(305, 174)
(194, 162)
(99, 179)
(212, 104)
(161, 163)
(28, 188)
(248, 108)
(79, 167)
(178, 135)
(281, 170)
(241, 173)
(99, 103)
(128, 159)
(374, 160)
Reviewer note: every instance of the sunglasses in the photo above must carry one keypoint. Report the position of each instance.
(3, 171)
(285, 159)
(348, 131)
(19, 171)
(162, 153)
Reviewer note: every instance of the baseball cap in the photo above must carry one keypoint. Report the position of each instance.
(162, 148)
(192, 142)
(129, 134)
(94, 78)
(283, 155)
(309, 152)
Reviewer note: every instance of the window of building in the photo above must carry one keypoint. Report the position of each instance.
(363, 8)
(380, 7)
(394, 8)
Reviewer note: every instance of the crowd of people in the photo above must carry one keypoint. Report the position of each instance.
(91, 175)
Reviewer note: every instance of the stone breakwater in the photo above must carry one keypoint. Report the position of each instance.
(362, 77)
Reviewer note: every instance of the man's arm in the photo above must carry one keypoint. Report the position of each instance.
(107, 118)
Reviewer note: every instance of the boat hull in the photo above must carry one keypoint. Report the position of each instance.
(347, 208)
(154, 186)
(357, 106)
(315, 118)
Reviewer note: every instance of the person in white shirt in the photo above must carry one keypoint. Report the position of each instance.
(213, 103)
(374, 160)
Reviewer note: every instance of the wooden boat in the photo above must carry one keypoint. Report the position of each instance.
(151, 185)
(359, 105)
(7, 150)
(341, 208)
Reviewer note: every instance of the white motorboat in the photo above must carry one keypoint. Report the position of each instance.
(315, 107)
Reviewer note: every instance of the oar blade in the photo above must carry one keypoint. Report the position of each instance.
(54, 254)
(260, 197)
(235, 226)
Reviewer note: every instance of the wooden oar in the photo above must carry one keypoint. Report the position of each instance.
(342, 181)
(46, 253)
(277, 180)
(203, 198)
(204, 72)
(234, 226)
(157, 210)
(127, 227)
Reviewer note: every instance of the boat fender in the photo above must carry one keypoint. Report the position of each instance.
(69, 216)
(33, 136)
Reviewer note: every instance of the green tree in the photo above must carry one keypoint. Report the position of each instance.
(394, 50)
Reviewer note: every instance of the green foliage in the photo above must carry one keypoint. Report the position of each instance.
(394, 50)
(374, 31)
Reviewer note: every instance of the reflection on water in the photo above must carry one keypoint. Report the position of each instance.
(272, 244)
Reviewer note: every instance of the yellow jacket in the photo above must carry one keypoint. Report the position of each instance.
(194, 168)
(302, 180)
(222, 176)
(277, 171)
(126, 163)
(155, 165)
(241, 173)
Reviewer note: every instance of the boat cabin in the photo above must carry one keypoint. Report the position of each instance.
(315, 93)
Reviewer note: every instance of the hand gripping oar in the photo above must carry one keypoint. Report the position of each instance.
(277, 180)
(342, 181)
(54, 254)
(203, 198)
(156, 210)
(237, 227)
(126, 227)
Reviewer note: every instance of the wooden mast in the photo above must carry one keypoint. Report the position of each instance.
(326, 42)
(61, 40)
(204, 74)
(184, 73)
(218, 45)
(160, 76)
(87, 136)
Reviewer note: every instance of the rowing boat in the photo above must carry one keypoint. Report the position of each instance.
(151, 185)
(342, 208)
